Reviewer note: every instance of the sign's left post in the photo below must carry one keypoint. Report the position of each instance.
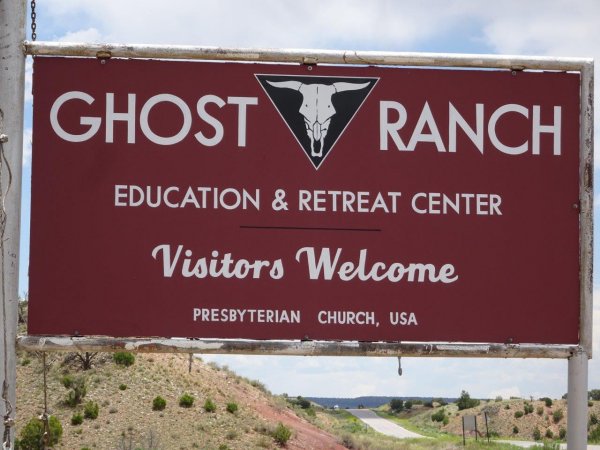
(12, 89)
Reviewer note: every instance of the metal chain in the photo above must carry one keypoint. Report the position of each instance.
(33, 24)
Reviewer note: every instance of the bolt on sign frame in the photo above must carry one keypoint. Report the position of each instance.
(576, 352)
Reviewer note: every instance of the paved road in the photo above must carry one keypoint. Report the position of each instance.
(384, 426)
(389, 428)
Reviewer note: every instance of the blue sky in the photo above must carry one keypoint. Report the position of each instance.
(535, 27)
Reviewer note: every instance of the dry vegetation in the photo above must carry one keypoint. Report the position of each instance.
(127, 421)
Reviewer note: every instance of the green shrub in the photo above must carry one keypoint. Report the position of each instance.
(77, 419)
(547, 401)
(124, 358)
(557, 415)
(590, 404)
(562, 433)
(438, 416)
(549, 433)
(507, 406)
(518, 414)
(537, 435)
(31, 434)
(396, 405)
(159, 404)
(186, 401)
(465, 401)
(515, 430)
(539, 410)
(302, 402)
(593, 419)
(408, 404)
(282, 434)
(122, 387)
(209, 406)
(594, 435)
(77, 390)
(232, 407)
(446, 421)
(527, 408)
(428, 404)
(90, 410)
(67, 380)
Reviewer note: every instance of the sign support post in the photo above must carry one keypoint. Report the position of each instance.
(12, 87)
(577, 399)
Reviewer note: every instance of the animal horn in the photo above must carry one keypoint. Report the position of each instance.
(295, 85)
(341, 86)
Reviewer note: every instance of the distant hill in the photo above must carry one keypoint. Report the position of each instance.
(367, 402)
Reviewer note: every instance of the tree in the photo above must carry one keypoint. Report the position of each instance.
(465, 401)
(595, 394)
(396, 405)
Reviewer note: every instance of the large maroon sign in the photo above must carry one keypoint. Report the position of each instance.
(224, 200)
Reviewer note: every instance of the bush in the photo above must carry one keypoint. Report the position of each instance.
(67, 380)
(515, 430)
(78, 390)
(396, 405)
(122, 387)
(124, 358)
(186, 401)
(498, 398)
(302, 402)
(77, 419)
(32, 433)
(539, 411)
(557, 415)
(594, 435)
(536, 434)
(549, 433)
(465, 401)
(428, 404)
(527, 408)
(547, 401)
(446, 421)
(593, 419)
(232, 407)
(90, 410)
(518, 414)
(209, 406)
(159, 404)
(282, 434)
(562, 433)
(594, 394)
(408, 404)
(438, 416)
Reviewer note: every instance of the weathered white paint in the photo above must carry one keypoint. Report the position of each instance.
(12, 88)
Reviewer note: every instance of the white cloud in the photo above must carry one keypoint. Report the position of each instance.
(508, 392)
(28, 81)
(27, 135)
(87, 35)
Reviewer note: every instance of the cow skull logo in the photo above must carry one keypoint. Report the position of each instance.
(316, 109)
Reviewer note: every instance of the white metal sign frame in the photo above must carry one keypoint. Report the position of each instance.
(582, 65)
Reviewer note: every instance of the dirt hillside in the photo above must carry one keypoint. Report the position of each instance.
(127, 421)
